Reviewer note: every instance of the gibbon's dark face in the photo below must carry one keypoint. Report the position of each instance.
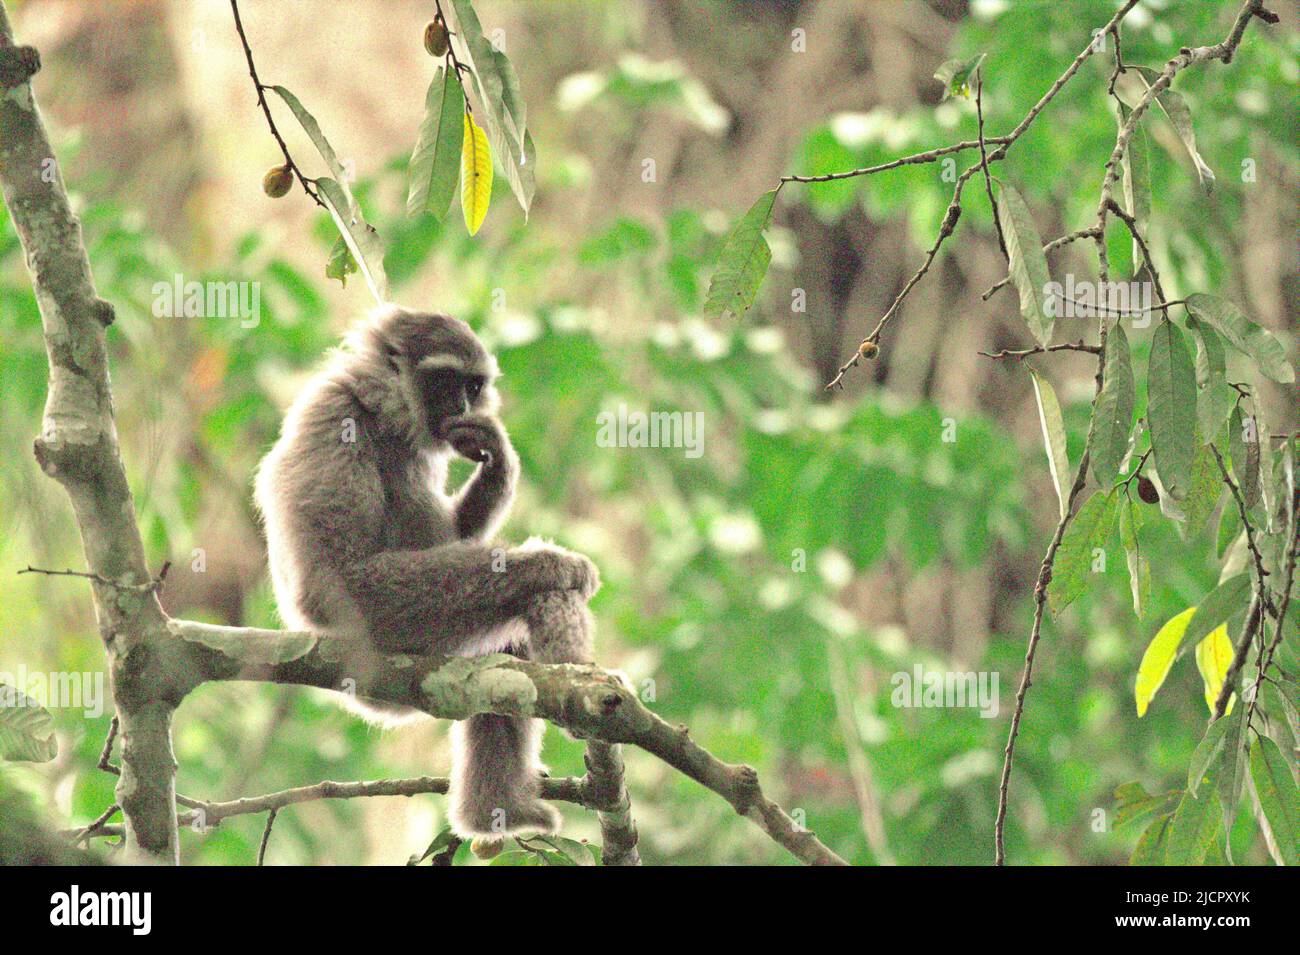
(451, 372)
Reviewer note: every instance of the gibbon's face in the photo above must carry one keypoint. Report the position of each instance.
(451, 373)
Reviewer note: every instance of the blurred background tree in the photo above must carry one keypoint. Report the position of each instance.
(763, 593)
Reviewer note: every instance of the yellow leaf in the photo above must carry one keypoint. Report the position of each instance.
(475, 174)
(1213, 657)
(1159, 657)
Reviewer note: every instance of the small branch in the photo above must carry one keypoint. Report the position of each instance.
(1261, 573)
(1267, 659)
(984, 164)
(266, 836)
(1119, 61)
(1049, 247)
(915, 159)
(106, 753)
(308, 185)
(96, 828)
(154, 585)
(605, 789)
(1023, 353)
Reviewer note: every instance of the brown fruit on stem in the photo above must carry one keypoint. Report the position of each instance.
(1147, 490)
(435, 37)
(868, 349)
(277, 181)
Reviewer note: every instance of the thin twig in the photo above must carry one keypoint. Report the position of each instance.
(926, 157)
(984, 164)
(1022, 353)
(153, 585)
(106, 753)
(1049, 247)
(266, 836)
(308, 185)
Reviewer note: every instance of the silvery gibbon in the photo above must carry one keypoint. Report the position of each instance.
(363, 538)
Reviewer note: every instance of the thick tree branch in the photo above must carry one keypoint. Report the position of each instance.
(78, 448)
(586, 700)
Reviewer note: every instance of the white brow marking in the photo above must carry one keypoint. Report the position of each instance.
(441, 361)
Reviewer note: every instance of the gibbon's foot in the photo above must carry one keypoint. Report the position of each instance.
(486, 848)
(487, 824)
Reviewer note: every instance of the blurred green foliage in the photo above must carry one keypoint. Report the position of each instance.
(723, 573)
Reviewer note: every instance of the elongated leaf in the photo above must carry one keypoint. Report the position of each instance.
(1028, 265)
(1137, 181)
(1133, 803)
(1210, 360)
(1159, 658)
(1073, 569)
(1219, 605)
(475, 174)
(955, 75)
(1213, 406)
(1230, 780)
(1208, 752)
(312, 128)
(1112, 413)
(1180, 115)
(1049, 416)
(1244, 335)
(26, 728)
(340, 264)
(362, 240)
(1195, 830)
(742, 263)
(1278, 796)
(1203, 494)
(502, 108)
(1213, 657)
(1229, 528)
(1151, 847)
(1243, 447)
(1171, 408)
(435, 163)
(1139, 570)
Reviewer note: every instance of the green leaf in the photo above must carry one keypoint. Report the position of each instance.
(502, 107)
(955, 75)
(1203, 494)
(1213, 658)
(1243, 448)
(1139, 569)
(313, 130)
(1229, 528)
(1159, 658)
(1112, 415)
(1260, 344)
(475, 174)
(1210, 359)
(1220, 604)
(1175, 107)
(1171, 408)
(1049, 416)
(340, 264)
(742, 263)
(1073, 567)
(1213, 406)
(1028, 265)
(26, 728)
(434, 170)
(1232, 776)
(362, 240)
(1150, 849)
(1134, 803)
(1137, 181)
(1278, 796)
(1194, 831)
(1208, 752)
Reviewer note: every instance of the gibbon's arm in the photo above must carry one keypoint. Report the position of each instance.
(481, 506)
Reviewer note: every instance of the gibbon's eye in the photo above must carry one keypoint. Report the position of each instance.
(474, 387)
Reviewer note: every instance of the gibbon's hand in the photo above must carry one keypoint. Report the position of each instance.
(479, 437)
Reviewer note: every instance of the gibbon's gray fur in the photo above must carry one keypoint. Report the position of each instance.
(363, 539)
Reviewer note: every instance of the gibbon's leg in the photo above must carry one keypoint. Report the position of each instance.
(496, 762)
(559, 627)
(495, 774)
